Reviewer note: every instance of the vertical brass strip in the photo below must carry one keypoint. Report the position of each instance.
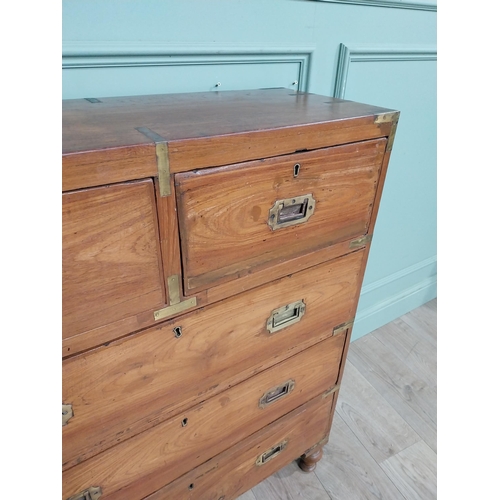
(162, 160)
(163, 168)
(174, 289)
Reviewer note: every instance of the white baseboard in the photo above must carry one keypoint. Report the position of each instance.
(418, 285)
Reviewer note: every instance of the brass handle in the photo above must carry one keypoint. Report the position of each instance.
(285, 316)
(291, 211)
(271, 453)
(276, 393)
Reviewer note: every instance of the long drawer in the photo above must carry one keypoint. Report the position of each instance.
(125, 388)
(144, 463)
(246, 464)
(237, 219)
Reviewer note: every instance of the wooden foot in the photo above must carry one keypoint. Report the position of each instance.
(308, 462)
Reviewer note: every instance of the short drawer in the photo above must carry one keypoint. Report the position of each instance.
(237, 219)
(146, 462)
(111, 265)
(120, 390)
(246, 464)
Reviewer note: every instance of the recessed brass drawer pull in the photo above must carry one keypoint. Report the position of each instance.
(285, 316)
(92, 493)
(291, 211)
(276, 393)
(271, 453)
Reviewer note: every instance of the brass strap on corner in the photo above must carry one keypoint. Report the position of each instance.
(393, 117)
(67, 413)
(361, 242)
(174, 296)
(343, 327)
(331, 390)
(162, 160)
(92, 493)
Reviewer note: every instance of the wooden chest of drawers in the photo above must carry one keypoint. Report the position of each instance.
(214, 247)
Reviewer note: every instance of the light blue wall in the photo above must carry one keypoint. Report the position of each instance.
(380, 52)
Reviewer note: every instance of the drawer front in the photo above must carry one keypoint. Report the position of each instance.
(148, 461)
(111, 255)
(241, 218)
(123, 389)
(246, 464)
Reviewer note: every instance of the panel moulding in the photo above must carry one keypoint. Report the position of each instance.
(76, 55)
(430, 5)
(348, 55)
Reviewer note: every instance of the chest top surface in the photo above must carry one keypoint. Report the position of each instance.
(112, 122)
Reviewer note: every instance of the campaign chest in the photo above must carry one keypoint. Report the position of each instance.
(214, 246)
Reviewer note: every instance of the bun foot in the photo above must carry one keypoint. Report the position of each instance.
(308, 462)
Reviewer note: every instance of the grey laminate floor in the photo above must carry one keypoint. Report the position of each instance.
(383, 439)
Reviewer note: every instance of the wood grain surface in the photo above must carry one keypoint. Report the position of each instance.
(144, 463)
(224, 212)
(111, 256)
(101, 143)
(234, 471)
(174, 409)
(124, 388)
(359, 460)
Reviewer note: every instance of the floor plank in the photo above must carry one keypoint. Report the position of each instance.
(381, 430)
(347, 471)
(412, 347)
(249, 495)
(413, 471)
(423, 321)
(291, 483)
(410, 396)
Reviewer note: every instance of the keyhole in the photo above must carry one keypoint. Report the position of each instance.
(296, 169)
(184, 422)
(191, 486)
(178, 332)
